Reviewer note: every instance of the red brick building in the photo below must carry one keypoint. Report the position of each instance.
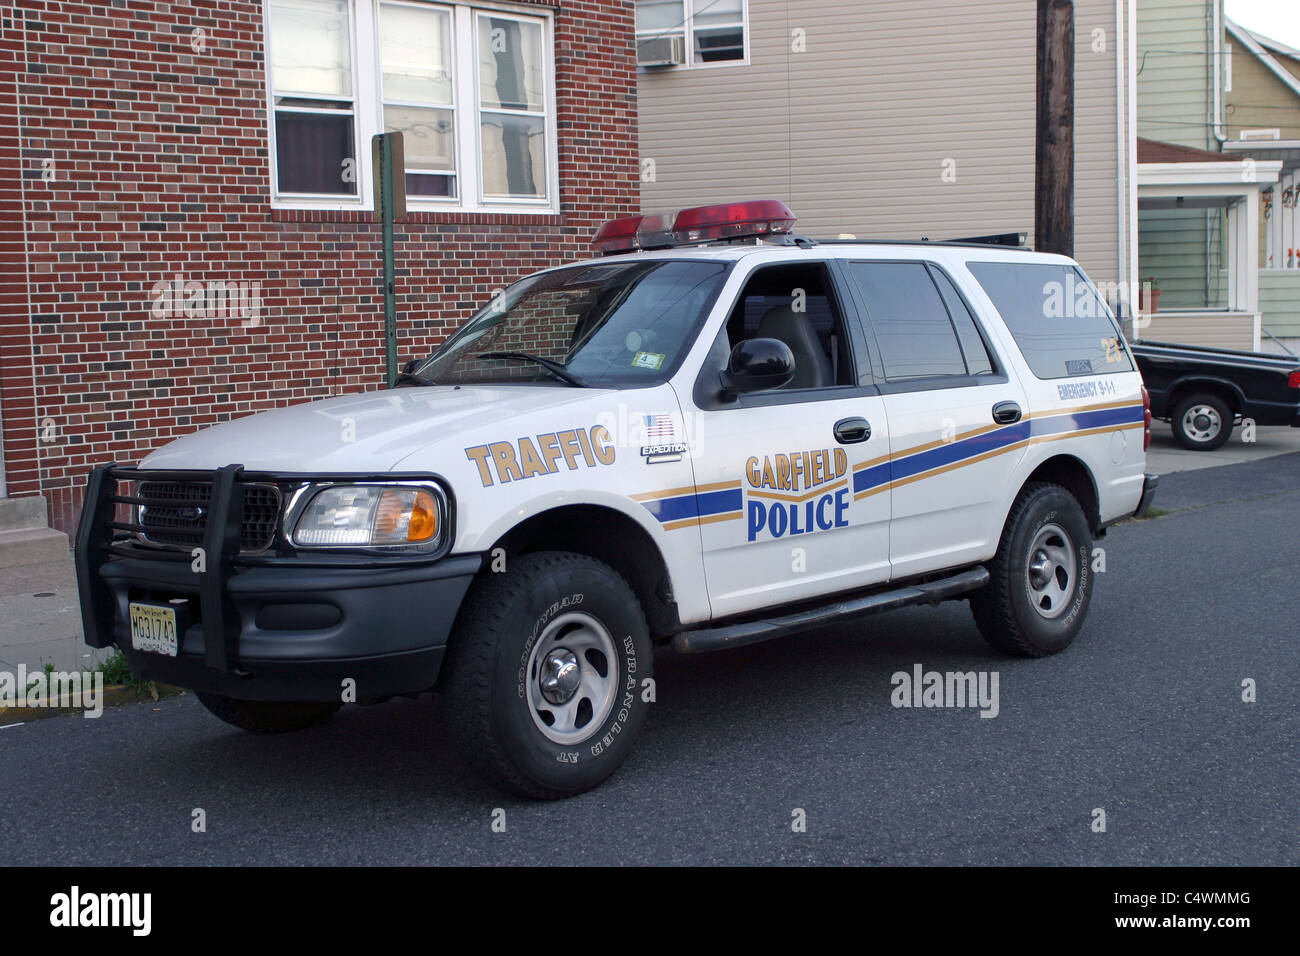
(187, 226)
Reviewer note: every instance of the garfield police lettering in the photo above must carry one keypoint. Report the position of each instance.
(797, 493)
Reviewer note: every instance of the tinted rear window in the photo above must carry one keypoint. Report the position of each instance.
(1061, 325)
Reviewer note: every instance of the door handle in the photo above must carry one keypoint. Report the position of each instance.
(850, 431)
(1006, 413)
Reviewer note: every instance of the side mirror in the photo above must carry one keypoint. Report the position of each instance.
(409, 366)
(757, 365)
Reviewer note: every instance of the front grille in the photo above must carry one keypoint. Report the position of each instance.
(176, 512)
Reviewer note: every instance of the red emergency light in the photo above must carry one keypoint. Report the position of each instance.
(743, 220)
(633, 233)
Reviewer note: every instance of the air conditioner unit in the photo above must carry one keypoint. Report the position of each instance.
(1261, 134)
(661, 51)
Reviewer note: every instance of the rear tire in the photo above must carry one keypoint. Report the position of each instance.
(1041, 581)
(269, 716)
(1202, 422)
(544, 671)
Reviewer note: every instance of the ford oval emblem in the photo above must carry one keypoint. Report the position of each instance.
(190, 512)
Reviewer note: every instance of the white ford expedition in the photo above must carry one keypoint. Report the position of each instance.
(715, 434)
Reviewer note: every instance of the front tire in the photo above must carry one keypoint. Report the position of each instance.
(1202, 422)
(268, 716)
(1041, 581)
(544, 672)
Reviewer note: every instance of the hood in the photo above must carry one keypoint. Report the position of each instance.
(371, 432)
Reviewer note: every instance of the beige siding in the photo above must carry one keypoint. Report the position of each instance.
(854, 133)
(1259, 100)
(1214, 330)
(1097, 176)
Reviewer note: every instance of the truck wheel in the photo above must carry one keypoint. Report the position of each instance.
(1041, 582)
(543, 674)
(268, 716)
(1202, 422)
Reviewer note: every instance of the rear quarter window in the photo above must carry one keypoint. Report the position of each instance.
(1062, 327)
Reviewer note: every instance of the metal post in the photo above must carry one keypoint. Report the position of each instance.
(390, 203)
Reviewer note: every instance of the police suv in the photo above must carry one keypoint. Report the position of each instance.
(716, 433)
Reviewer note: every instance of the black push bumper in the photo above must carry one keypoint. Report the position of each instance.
(286, 626)
(1149, 485)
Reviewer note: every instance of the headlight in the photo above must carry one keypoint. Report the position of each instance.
(371, 516)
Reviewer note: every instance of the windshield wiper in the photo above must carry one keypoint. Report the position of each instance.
(410, 378)
(555, 368)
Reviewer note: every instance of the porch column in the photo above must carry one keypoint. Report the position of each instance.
(1233, 247)
(1250, 268)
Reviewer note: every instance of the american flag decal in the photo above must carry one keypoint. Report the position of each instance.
(658, 427)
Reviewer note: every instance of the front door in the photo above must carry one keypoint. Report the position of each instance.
(787, 501)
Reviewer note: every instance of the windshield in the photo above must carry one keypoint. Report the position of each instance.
(604, 325)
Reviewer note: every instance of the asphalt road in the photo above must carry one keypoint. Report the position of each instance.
(1142, 717)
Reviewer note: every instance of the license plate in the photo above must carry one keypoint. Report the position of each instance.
(153, 629)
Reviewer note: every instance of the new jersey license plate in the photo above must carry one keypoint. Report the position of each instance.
(153, 629)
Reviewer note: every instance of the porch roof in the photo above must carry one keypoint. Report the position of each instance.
(1168, 170)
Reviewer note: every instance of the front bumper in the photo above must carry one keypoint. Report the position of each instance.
(286, 627)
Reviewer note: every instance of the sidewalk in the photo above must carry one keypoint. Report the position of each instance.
(1166, 456)
(40, 619)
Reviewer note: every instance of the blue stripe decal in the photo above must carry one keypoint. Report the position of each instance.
(720, 502)
(1078, 421)
(695, 506)
(870, 477)
(956, 451)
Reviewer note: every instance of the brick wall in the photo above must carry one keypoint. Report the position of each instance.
(130, 159)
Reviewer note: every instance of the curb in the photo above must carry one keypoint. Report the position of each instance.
(115, 695)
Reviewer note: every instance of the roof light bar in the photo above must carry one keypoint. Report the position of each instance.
(698, 224)
(617, 235)
(739, 220)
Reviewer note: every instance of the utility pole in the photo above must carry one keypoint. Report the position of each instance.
(1054, 158)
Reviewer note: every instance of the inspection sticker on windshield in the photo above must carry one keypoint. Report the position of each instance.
(654, 360)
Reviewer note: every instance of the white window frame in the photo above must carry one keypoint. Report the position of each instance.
(456, 108)
(314, 200)
(548, 113)
(368, 112)
(688, 30)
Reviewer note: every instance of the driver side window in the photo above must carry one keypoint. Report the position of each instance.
(796, 304)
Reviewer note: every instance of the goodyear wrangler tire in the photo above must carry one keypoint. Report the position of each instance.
(544, 671)
(268, 716)
(1041, 578)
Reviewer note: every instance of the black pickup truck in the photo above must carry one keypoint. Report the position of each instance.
(1203, 392)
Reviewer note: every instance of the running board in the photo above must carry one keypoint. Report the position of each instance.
(754, 632)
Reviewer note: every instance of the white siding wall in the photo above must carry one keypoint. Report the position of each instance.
(854, 133)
